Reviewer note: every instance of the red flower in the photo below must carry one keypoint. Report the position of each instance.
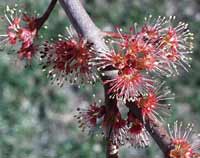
(12, 37)
(184, 147)
(129, 84)
(116, 60)
(137, 134)
(14, 24)
(88, 118)
(154, 102)
(115, 127)
(150, 33)
(69, 59)
(175, 46)
(119, 131)
(139, 45)
(26, 52)
(21, 29)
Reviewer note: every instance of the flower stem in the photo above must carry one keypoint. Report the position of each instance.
(40, 21)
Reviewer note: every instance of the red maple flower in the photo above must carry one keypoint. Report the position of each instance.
(129, 84)
(88, 118)
(69, 59)
(172, 44)
(150, 33)
(27, 52)
(153, 104)
(108, 59)
(115, 127)
(12, 36)
(137, 134)
(139, 45)
(184, 147)
(175, 46)
(21, 29)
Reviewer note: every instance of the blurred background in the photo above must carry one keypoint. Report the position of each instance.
(36, 117)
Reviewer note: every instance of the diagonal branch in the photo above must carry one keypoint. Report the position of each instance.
(86, 28)
(40, 21)
(83, 23)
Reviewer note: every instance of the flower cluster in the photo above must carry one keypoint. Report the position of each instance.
(186, 143)
(154, 104)
(68, 59)
(130, 129)
(120, 131)
(21, 29)
(89, 118)
(138, 136)
(158, 48)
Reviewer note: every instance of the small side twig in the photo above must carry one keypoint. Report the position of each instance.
(41, 20)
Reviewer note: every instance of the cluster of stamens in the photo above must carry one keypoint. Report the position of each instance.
(157, 49)
(121, 131)
(68, 58)
(21, 29)
(186, 143)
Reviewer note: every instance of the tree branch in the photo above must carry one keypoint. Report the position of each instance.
(112, 150)
(40, 21)
(83, 23)
(86, 28)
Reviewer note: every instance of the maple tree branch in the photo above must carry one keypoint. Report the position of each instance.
(83, 23)
(41, 20)
(112, 150)
(86, 28)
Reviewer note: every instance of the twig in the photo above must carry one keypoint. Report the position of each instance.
(40, 21)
